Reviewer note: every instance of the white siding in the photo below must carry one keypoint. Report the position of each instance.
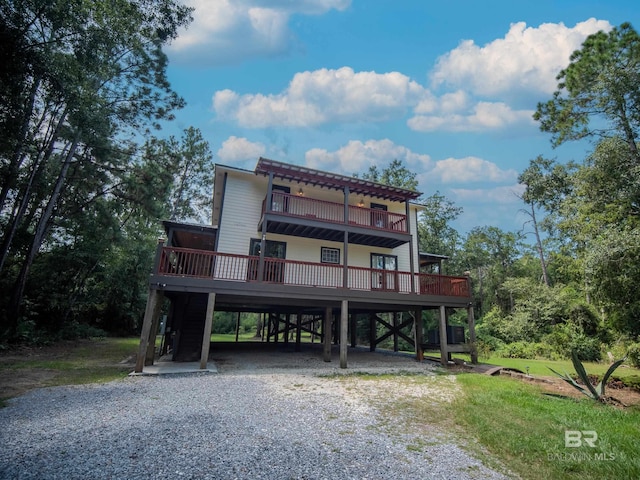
(241, 211)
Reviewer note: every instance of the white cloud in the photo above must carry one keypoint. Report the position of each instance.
(483, 116)
(470, 169)
(229, 31)
(357, 157)
(525, 59)
(235, 150)
(322, 96)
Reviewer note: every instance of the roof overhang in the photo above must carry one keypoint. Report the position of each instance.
(190, 235)
(297, 173)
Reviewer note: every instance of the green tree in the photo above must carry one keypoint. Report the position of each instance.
(598, 97)
(188, 162)
(395, 174)
(93, 75)
(489, 254)
(435, 231)
(598, 92)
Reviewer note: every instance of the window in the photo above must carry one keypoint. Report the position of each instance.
(329, 255)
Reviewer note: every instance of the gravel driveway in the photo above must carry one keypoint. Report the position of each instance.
(269, 415)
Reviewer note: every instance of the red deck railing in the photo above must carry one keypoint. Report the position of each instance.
(304, 207)
(185, 262)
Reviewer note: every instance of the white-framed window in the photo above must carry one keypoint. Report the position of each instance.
(329, 255)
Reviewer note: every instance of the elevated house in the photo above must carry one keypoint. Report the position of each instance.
(302, 247)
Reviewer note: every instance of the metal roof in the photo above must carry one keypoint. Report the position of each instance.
(335, 181)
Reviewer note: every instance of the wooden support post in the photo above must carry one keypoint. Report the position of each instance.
(326, 334)
(417, 326)
(276, 327)
(444, 354)
(373, 326)
(395, 331)
(344, 324)
(152, 309)
(472, 334)
(299, 331)
(151, 345)
(287, 328)
(354, 327)
(237, 326)
(206, 335)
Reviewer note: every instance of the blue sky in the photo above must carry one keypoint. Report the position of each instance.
(447, 87)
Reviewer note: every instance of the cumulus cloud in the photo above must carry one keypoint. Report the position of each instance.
(481, 116)
(527, 58)
(321, 96)
(229, 31)
(471, 169)
(238, 149)
(357, 157)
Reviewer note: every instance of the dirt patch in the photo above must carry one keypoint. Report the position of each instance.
(623, 397)
(17, 382)
(25, 368)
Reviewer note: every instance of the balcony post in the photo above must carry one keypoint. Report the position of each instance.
(263, 238)
(345, 242)
(411, 243)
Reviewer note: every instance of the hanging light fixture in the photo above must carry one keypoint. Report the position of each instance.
(300, 192)
(361, 203)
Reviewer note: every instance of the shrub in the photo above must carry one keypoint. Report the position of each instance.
(633, 354)
(74, 330)
(518, 350)
(587, 349)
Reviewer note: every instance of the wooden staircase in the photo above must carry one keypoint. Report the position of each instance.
(189, 345)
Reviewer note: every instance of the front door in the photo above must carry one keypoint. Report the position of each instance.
(379, 215)
(279, 198)
(273, 268)
(384, 276)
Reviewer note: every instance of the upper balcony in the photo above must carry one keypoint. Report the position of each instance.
(312, 218)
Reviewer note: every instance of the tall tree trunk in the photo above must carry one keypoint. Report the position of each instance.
(543, 263)
(18, 154)
(38, 237)
(36, 171)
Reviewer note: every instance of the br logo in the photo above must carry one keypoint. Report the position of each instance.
(575, 438)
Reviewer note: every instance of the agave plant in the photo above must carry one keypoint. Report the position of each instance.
(594, 392)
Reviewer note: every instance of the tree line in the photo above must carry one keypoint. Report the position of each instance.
(84, 176)
(569, 281)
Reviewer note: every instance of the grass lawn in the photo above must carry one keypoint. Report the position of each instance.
(541, 367)
(66, 363)
(516, 422)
